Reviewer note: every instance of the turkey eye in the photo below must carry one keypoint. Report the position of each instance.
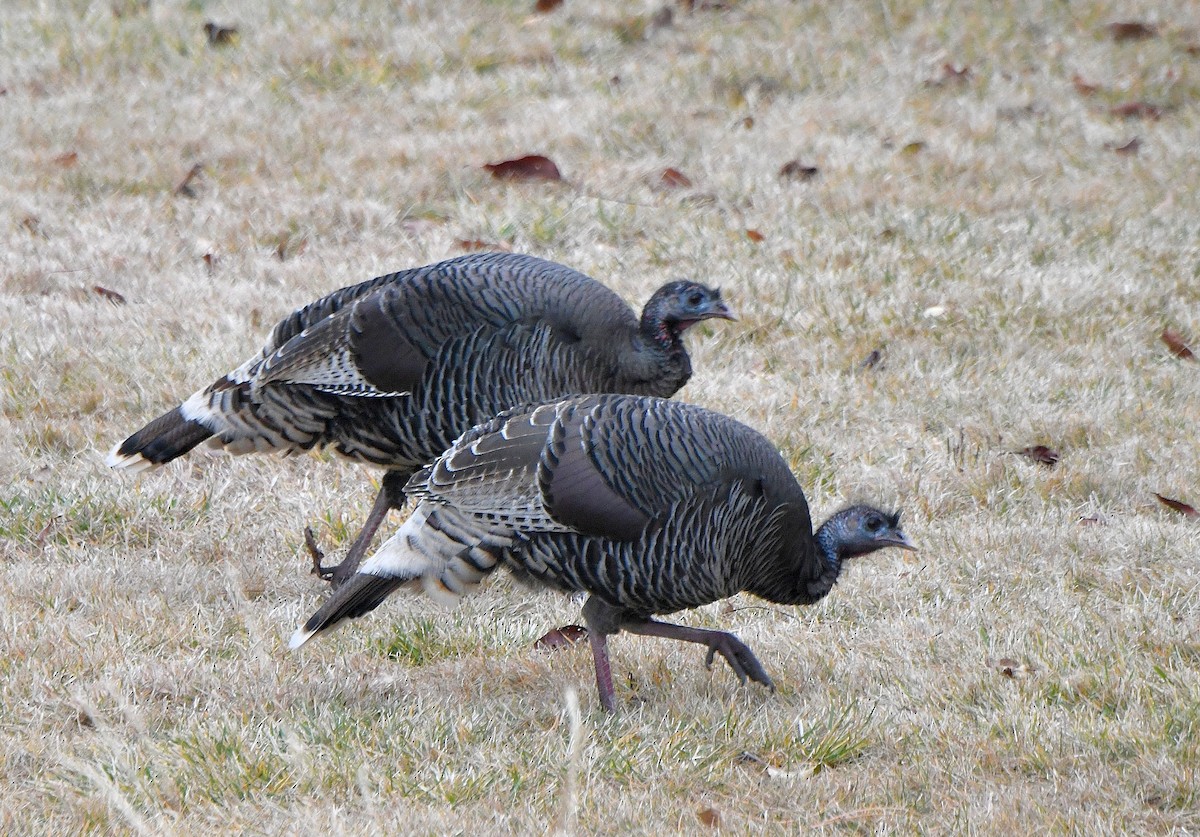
(695, 298)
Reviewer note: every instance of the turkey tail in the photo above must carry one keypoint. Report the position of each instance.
(361, 594)
(436, 551)
(169, 436)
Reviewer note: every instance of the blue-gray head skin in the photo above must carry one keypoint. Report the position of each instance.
(860, 530)
(679, 305)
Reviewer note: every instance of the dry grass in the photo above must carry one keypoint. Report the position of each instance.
(1014, 268)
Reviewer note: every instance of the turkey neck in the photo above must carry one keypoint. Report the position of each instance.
(662, 364)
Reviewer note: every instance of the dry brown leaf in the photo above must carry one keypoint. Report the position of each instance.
(472, 244)
(1130, 148)
(1040, 454)
(1132, 30)
(1136, 110)
(674, 179)
(219, 35)
(544, 6)
(1178, 505)
(1176, 344)
(1084, 87)
(709, 817)
(67, 159)
(950, 74)
(562, 637)
(530, 167)
(911, 148)
(795, 170)
(112, 296)
(1013, 668)
(210, 263)
(755, 236)
(185, 186)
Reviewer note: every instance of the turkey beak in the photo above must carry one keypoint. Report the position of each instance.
(721, 311)
(899, 540)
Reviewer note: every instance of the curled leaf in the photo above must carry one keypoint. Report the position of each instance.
(112, 296)
(950, 74)
(1132, 30)
(1084, 87)
(673, 179)
(1013, 668)
(186, 187)
(755, 236)
(1040, 454)
(529, 167)
(478, 244)
(709, 817)
(562, 637)
(219, 35)
(1128, 149)
(1136, 110)
(795, 170)
(1178, 505)
(1176, 344)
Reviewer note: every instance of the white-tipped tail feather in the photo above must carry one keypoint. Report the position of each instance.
(444, 558)
(134, 462)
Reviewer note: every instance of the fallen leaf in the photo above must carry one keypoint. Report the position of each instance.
(544, 6)
(33, 225)
(1176, 344)
(185, 186)
(210, 262)
(530, 167)
(67, 159)
(674, 179)
(562, 637)
(795, 170)
(112, 296)
(1083, 87)
(755, 236)
(709, 817)
(1136, 110)
(1013, 668)
(1128, 148)
(1040, 454)
(911, 148)
(40, 540)
(219, 35)
(1177, 505)
(472, 244)
(950, 74)
(1132, 30)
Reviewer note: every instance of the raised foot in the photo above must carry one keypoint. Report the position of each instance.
(335, 574)
(739, 656)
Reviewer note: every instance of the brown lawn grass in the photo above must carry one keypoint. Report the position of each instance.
(1014, 268)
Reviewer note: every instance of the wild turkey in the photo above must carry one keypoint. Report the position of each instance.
(648, 506)
(392, 370)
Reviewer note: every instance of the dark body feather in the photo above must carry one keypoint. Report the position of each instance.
(649, 506)
(392, 370)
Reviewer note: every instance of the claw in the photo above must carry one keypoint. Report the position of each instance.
(318, 569)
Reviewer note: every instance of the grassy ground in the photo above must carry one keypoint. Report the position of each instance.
(1036, 668)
